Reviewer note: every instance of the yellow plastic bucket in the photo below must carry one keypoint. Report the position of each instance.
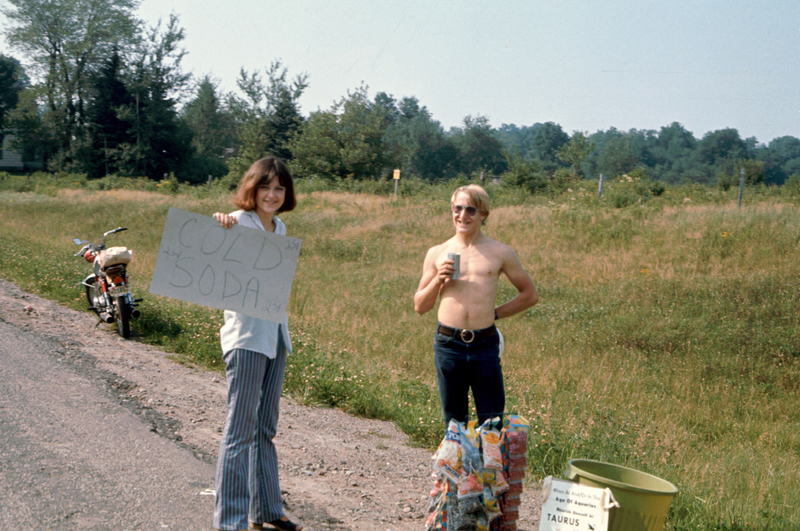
(643, 499)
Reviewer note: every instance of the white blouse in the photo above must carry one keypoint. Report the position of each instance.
(250, 333)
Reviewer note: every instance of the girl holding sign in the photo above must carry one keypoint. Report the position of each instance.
(254, 351)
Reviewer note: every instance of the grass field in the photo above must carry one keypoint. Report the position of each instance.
(667, 337)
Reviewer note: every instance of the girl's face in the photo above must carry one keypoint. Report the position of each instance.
(270, 197)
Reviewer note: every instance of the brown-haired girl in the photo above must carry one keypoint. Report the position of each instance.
(254, 351)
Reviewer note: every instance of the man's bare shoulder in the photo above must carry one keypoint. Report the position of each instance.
(436, 250)
(496, 247)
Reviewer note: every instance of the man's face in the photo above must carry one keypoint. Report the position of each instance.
(466, 217)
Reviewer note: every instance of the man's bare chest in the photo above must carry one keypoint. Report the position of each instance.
(478, 267)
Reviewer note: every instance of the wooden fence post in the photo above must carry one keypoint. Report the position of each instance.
(741, 188)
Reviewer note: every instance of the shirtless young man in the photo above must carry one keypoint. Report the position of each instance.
(466, 343)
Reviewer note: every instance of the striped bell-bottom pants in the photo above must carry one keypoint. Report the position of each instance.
(247, 468)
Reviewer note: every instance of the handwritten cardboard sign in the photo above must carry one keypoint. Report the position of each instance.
(245, 270)
(569, 506)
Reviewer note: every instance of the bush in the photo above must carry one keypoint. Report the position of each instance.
(631, 188)
(230, 181)
(792, 185)
(563, 179)
(201, 168)
(725, 181)
(525, 173)
(413, 187)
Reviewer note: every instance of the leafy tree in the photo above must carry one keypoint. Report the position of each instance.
(753, 171)
(109, 125)
(786, 147)
(437, 156)
(409, 108)
(32, 127)
(671, 152)
(675, 141)
(576, 151)
(781, 159)
(402, 137)
(546, 143)
(792, 167)
(478, 147)
(617, 156)
(160, 141)
(753, 174)
(12, 81)
(282, 126)
(720, 146)
(641, 140)
(343, 142)
(518, 140)
(212, 131)
(210, 124)
(389, 104)
(417, 144)
(524, 172)
(719, 151)
(268, 118)
(67, 41)
(599, 138)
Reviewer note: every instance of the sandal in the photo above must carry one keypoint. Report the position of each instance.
(286, 525)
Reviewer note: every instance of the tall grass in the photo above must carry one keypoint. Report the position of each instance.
(667, 336)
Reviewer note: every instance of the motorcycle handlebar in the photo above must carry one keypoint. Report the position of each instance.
(118, 229)
(100, 246)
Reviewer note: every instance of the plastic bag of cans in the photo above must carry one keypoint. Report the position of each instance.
(478, 476)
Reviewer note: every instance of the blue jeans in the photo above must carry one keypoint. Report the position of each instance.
(463, 366)
(247, 468)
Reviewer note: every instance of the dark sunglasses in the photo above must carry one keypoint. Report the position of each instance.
(470, 210)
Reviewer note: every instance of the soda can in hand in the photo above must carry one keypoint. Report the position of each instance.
(456, 258)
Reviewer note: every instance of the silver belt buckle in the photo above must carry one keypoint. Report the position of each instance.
(464, 334)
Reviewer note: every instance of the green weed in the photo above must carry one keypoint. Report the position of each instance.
(667, 337)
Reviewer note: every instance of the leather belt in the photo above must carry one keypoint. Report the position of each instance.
(467, 336)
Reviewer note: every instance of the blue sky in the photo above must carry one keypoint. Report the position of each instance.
(587, 65)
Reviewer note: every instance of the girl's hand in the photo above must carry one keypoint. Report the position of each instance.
(226, 220)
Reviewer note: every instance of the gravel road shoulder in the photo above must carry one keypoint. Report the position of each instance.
(338, 472)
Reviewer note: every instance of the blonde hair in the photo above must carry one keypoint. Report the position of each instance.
(477, 196)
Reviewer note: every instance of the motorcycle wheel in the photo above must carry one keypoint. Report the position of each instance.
(122, 312)
(93, 296)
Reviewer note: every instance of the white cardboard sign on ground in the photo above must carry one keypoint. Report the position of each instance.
(568, 506)
(245, 270)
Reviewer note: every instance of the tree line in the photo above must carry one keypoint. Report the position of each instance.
(110, 97)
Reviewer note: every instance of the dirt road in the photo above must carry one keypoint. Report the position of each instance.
(73, 457)
(338, 472)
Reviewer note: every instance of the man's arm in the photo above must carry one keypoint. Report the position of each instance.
(432, 280)
(519, 278)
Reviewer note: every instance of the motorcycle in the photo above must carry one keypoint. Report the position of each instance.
(107, 289)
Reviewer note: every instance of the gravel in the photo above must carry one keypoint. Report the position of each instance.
(338, 472)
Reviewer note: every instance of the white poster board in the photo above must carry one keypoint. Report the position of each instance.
(245, 270)
(568, 506)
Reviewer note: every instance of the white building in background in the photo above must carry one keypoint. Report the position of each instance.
(13, 160)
